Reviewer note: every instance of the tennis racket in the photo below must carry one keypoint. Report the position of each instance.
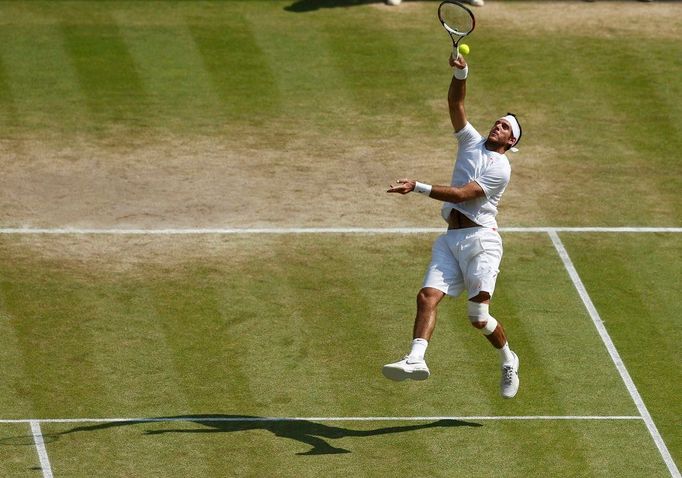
(458, 21)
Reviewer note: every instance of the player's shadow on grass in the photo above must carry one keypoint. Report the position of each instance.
(311, 433)
(302, 6)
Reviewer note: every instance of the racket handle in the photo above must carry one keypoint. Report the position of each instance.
(455, 52)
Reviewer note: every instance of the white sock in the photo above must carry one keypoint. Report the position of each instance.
(418, 349)
(506, 356)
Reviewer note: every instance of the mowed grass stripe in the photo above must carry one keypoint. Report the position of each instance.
(133, 353)
(311, 88)
(390, 92)
(171, 68)
(628, 112)
(192, 317)
(631, 296)
(645, 99)
(210, 353)
(282, 338)
(40, 79)
(8, 113)
(51, 313)
(15, 380)
(107, 75)
(239, 72)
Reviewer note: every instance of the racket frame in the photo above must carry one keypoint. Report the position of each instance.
(455, 35)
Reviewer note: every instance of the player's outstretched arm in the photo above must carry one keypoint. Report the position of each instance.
(451, 194)
(457, 93)
(455, 194)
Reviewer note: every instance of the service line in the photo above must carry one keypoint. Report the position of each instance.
(317, 230)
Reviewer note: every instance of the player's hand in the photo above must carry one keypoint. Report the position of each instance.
(460, 62)
(402, 186)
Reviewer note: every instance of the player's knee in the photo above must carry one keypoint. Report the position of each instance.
(428, 297)
(480, 318)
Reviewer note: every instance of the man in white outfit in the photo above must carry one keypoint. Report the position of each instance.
(468, 255)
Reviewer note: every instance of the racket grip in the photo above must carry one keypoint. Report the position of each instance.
(455, 52)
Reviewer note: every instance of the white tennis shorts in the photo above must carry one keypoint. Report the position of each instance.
(465, 259)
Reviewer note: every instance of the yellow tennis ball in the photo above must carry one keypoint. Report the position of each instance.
(464, 49)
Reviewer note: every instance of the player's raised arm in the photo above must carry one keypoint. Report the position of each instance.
(457, 93)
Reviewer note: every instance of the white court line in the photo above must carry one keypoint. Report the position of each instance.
(615, 356)
(33, 421)
(319, 230)
(40, 446)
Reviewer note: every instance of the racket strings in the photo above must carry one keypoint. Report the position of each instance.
(456, 19)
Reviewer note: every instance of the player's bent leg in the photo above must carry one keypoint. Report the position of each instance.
(494, 332)
(428, 299)
(482, 320)
(413, 366)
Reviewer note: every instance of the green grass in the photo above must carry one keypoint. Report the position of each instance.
(286, 310)
(439, 450)
(300, 325)
(255, 73)
(631, 281)
(266, 328)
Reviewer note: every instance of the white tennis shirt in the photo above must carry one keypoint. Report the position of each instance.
(489, 169)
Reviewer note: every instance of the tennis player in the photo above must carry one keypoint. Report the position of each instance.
(468, 255)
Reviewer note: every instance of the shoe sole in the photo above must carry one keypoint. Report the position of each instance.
(398, 375)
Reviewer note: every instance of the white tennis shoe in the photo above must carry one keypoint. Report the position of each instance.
(509, 384)
(406, 368)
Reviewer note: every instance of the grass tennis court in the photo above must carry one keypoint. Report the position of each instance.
(179, 355)
(264, 328)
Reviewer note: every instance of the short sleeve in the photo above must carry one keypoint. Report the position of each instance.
(468, 136)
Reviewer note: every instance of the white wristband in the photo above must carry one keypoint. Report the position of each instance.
(422, 188)
(461, 74)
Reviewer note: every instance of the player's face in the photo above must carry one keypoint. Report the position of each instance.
(501, 133)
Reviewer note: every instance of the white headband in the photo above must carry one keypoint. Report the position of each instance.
(516, 129)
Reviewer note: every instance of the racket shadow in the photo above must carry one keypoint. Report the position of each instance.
(315, 435)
